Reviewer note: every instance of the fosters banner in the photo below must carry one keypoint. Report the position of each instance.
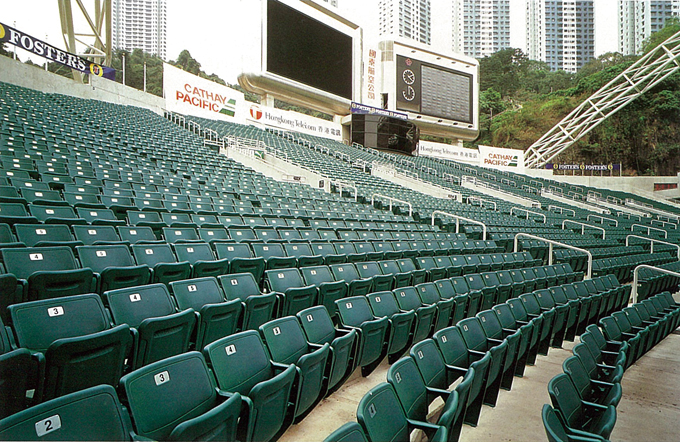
(39, 47)
(189, 94)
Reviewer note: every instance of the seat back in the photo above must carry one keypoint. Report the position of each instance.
(410, 388)
(93, 234)
(135, 304)
(349, 432)
(23, 262)
(91, 414)
(381, 415)
(431, 364)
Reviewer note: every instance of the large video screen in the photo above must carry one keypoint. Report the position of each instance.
(385, 133)
(308, 51)
(433, 90)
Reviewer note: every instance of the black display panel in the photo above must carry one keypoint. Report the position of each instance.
(307, 51)
(385, 133)
(435, 91)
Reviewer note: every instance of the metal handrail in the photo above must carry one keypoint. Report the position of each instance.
(550, 242)
(664, 223)
(459, 219)
(562, 210)
(636, 276)
(482, 201)
(391, 199)
(652, 241)
(583, 227)
(602, 219)
(342, 185)
(522, 209)
(649, 229)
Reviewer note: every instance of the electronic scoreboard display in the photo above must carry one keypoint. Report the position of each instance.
(435, 91)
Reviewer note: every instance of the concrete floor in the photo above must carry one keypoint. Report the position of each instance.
(648, 411)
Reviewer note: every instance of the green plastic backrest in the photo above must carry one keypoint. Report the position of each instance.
(39, 323)
(31, 234)
(317, 325)
(381, 415)
(460, 285)
(239, 285)
(565, 397)
(354, 311)
(239, 361)
(197, 292)
(90, 234)
(316, 275)
(430, 363)
(368, 269)
(574, 368)
(383, 304)
(284, 339)
(281, 280)
(452, 346)
(233, 250)
(193, 252)
(473, 334)
(152, 254)
(349, 432)
(166, 393)
(491, 279)
(491, 324)
(99, 257)
(445, 288)
(530, 303)
(22, 262)
(475, 281)
(407, 298)
(428, 293)
(553, 426)
(135, 304)
(91, 414)
(344, 272)
(410, 388)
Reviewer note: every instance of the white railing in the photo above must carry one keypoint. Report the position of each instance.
(550, 242)
(392, 200)
(341, 185)
(471, 199)
(652, 241)
(455, 179)
(665, 223)
(649, 229)
(561, 210)
(522, 209)
(583, 227)
(636, 277)
(602, 219)
(458, 219)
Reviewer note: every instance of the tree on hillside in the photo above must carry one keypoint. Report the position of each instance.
(501, 71)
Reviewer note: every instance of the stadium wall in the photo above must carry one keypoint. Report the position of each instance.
(33, 77)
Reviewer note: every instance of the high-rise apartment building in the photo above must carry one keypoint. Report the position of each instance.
(638, 19)
(410, 19)
(480, 27)
(561, 32)
(140, 24)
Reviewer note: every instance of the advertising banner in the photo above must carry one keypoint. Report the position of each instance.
(510, 160)
(362, 109)
(448, 152)
(584, 167)
(189, 94)
(293, 121)
(46, 50)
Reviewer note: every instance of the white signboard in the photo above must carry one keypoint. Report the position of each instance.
(511, 160)
(293, 121)
(189, 94)
(448, 152)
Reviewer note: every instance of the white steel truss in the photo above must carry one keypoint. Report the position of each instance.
(92, 38)
(644, 74)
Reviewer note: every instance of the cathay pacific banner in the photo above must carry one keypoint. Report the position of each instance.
(293, 121)
(190, 94)
(46, 50)
(511, 160)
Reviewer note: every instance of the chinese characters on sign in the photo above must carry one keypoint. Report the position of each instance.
(370, 77)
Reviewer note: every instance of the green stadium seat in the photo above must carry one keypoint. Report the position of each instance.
(258, 307)
(114, 266)
(426, 315)
(329, 290)
(401, 322)
(163, 263)
(202, 259)
(349, 432)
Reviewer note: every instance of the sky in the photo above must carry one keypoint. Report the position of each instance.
(216, 31)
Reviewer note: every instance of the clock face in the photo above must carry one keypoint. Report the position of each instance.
(409, 94)
(408, 76)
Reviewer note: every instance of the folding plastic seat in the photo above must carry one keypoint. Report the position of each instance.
(7, 238)
(304, 254)
(149, 309)
(580, 417)
(355, 313)
(383, 418)
(475, 282)
(242, 364)
(613, 332)
(319, 329)
(597, 304)
(113, 266)
(349, 432)
(401, 322)
(602, 393)
(433, 269)
(43, 197)
(55, 214)
(287, 344)
(174, 235)
(163, 263)
(406, 265)
(444, 359)
(429, 295)
(50, 272)
(473, 298)
(74, 333)
(90, 414)
(547, 303)
(628, 330)
(45, 235)
(274, 255)
(329, 290)
(258, 307)
(372, 271)
(241, 259)
(478, 344)
(356, 285)
(199, 409)
(20, 372)
(557, 431)
(528, 346)
(202, 259)
(174, 220)
(543, 322)
(215, 316)
(291, 290)
(401, 278)
(654, 328)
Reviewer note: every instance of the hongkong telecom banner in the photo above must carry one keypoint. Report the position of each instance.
(190, 94)
(46, 50)
(511, 160)
(448, 152)
(293, 121)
